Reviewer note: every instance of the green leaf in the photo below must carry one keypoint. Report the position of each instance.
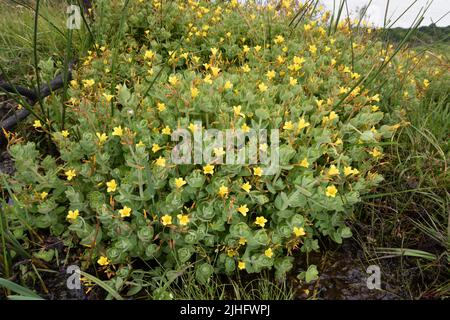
(309, 275)
(281, 201)
(102, 284)
(262, 114)
(46, 255)
(22, 291)
(204, 272)
(346, 232)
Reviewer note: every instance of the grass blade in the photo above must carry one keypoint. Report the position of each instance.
(22, 291)
(103, 285)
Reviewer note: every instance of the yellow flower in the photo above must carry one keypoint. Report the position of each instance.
(37, 124)
(223, 191)
(245, 128)
(375, 98)
(179, 182)
(74, 84)
(207, 79)
(268, 253)
(280, 59)
(108, 97)
(227, 85)
(304, 163)
(241, 265)
(101, 137)
(312, 49)
(262, 87)
(117, 131)
(333, 171)
(173, 80)
(161, 162)
(214, 51)
(166, 131)
(245, 68)
(219, 152)
(149, 54)
(246, 187)
(243, 210)
(298, 60)
(355, 75)
(208, 169)
(278, 39)
(231, 253)
(292, 81)
(288, 125)
(194, 92)
(140, 144)
(375, 108)
(88, 83)
(257, 171)
(271, 74)
(161, 106)
(112, 186)
(193, 127)
(70, 174)
(65, 133)
(332, 115)
(376, 153)
(261, 221)
(299, 231)
(348, 171)
(215, 71)
(331, 191)
(426, 83)
(166, 220)
(302, 124)
(183, 219)
(155, 148)
(237, 111)
(103, 261)
(257, 48)
(346, 70)
(343, 90)
(242, 241)
(125, 212)
(72, 215)
(43, 195)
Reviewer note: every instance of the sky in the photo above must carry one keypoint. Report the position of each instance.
(377, 9)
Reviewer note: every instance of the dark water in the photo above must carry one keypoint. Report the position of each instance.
(343, 276)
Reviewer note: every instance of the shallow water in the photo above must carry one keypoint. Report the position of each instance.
(343, 276)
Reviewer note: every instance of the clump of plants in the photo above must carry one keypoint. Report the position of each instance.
(111, 189)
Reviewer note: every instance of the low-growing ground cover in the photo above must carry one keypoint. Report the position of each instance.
(97, 182)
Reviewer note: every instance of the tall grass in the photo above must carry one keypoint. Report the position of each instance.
(16, 38)
(409, 215)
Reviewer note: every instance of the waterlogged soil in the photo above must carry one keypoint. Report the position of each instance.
(343, 276)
